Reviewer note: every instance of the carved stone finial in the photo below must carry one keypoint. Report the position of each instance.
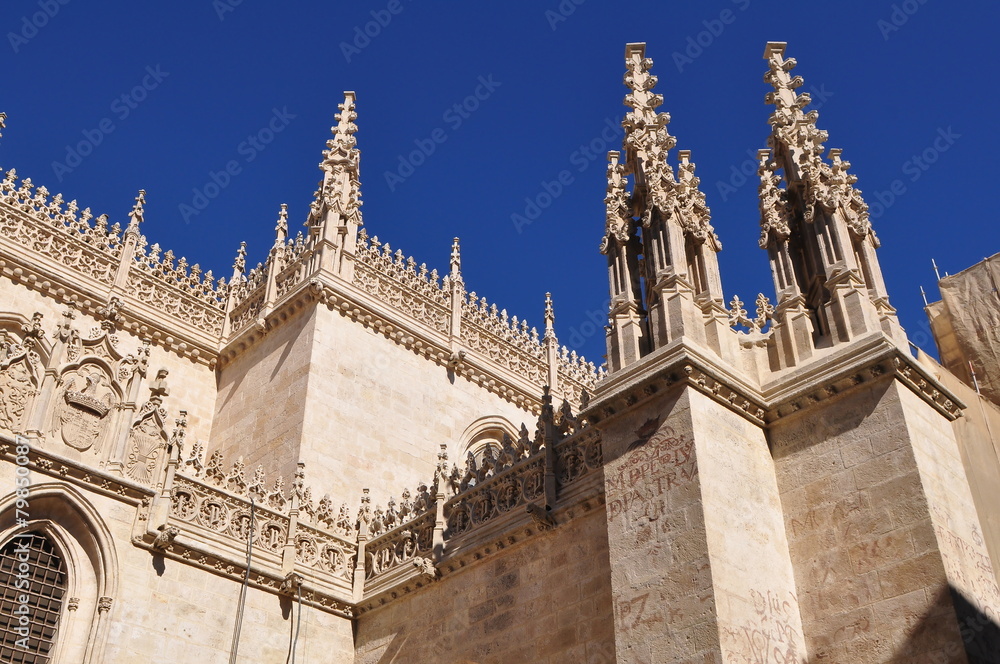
(281, 228)
(137, 215)
(240, 264)
(180, 432)
(618, 214)
(65, 331)
(456, 260)
(3, 123)
(340, 191)
(159, 389)
(550, 318)
(365, 510)
(299, 483)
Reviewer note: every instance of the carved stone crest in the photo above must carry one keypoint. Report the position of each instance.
(146, 440)
(86, 401)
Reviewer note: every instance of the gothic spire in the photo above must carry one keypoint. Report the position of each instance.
(456, 261)
(647, 141)
(136, 216)
(816, 229)
(550, 318)
(340, 192)
(281, 227)
(240, 263)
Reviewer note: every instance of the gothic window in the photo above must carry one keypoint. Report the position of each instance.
(32, 558)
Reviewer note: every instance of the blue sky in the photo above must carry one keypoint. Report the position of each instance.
(164, 95)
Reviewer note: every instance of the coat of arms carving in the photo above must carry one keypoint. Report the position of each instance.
(86, 401)
(16, 387)
(146, 440)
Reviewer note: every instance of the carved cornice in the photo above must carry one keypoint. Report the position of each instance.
(864, 361)
(668, 369)
(269, 580)
(62, 468)
(90, 297)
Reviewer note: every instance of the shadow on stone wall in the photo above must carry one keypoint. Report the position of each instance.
(980, 632)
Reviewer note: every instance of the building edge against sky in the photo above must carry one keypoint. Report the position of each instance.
(786, 485)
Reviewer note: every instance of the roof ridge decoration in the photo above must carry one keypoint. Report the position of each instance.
(62, 234)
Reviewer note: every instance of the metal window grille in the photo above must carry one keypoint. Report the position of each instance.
(46, 576)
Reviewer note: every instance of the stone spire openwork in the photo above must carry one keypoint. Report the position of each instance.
(816, 228)
(659, 239)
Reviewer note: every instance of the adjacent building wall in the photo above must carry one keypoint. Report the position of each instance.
(545, 601)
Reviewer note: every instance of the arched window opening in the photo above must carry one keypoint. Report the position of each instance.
(30, 568)
(491, 439)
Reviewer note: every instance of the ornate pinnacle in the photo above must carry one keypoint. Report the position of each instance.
(618, 215)
(3, 123)
(647, 141)
(696, 215)
(792, 127)
(775, 213)
(640, 99)
(240, 264)
(340, 191)
(281, 228)
(341, 148)
(136, 216)
(456, 260)
(550, 318)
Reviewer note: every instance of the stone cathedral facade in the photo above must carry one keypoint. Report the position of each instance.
(342, 453)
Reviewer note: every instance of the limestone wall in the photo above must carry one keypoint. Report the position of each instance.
(758, 609)
(661, 576)
(546, 601)
(262, 398)
(871, 582)
(360, 410)
(957, 526)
